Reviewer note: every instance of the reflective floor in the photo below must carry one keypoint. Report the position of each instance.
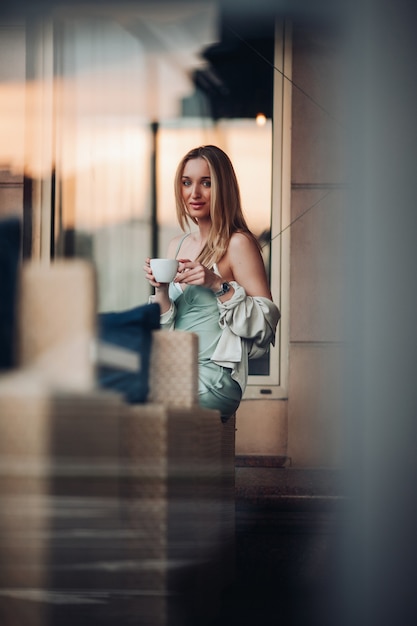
(85, 562)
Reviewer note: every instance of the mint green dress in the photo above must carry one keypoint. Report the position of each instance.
(198, 312)
(229, 334)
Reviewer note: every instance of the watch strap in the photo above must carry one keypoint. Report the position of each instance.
(224, 289)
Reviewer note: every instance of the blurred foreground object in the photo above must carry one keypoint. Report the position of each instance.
(9, 262)
(110, 512)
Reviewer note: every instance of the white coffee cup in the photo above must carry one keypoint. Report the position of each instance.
(164, 270)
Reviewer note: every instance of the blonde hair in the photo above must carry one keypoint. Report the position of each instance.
(225, 203)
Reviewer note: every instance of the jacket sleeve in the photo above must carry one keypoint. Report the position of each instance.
(252, 318)
(167, 319)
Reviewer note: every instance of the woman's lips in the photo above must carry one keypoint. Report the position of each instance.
(196, 205)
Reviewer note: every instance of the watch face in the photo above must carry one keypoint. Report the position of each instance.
(224, 289)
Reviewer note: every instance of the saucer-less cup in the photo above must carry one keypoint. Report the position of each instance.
(164, 270)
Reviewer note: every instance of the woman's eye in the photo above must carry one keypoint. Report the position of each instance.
(186, 183)
(206, 183)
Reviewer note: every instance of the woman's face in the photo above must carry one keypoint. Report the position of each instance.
(196, 188)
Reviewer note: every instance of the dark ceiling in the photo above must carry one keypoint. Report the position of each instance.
(238, 81)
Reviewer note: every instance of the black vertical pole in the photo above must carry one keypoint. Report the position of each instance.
(53, 209)
(154, 203)
(27, 217)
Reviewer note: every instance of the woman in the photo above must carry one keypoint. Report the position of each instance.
(221, 291)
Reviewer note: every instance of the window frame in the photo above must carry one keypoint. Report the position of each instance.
(275, 385)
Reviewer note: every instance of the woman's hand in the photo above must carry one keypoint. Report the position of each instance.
(161, 289)
(151, 278)
(194, 273)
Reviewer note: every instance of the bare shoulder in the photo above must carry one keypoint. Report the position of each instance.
(242, 243)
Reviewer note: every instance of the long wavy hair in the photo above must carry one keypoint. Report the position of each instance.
(225, 203)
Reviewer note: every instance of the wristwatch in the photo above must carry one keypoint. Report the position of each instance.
(223, 289)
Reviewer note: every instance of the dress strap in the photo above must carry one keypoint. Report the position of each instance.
(180, 243)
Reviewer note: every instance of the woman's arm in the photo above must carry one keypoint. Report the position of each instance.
(161, 295)
(247, 266)
(250, 312)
